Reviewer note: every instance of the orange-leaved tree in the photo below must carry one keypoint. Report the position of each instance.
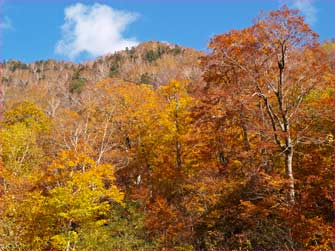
(274, 65)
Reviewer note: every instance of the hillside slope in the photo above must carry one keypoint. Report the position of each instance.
(152, 63)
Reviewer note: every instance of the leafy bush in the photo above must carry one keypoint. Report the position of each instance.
(176, 50)
(145, 78)
(114, 69)
(14, 65)
(77, 85)
(153, 55)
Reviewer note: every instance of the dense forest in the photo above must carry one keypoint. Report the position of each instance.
(161, 147)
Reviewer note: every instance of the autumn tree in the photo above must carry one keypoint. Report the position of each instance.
(21, 148)
(260, 85)
(277, 60)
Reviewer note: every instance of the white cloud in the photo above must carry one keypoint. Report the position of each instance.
(306, 7)
(5, 24)
(96, 30)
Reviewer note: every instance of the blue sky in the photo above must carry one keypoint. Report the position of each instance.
(80, 30)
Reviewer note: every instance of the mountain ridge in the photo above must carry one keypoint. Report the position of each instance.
(153, 63)
(143, 57)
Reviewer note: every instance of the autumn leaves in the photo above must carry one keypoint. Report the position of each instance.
(241, 159)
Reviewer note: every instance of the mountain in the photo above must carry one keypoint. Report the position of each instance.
(152, 63)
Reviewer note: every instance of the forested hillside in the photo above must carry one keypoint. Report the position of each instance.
(151, 63)
(161, 147)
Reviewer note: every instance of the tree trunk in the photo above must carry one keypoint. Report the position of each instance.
(177, 140)
(245, 131)
(178, 154)
(289, 171)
